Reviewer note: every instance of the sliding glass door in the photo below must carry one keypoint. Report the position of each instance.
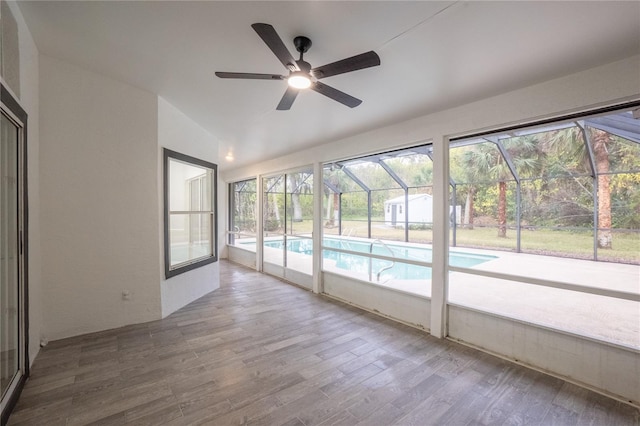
(287, 225)
(12, 278)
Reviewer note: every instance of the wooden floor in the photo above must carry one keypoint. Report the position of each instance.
(259, 351)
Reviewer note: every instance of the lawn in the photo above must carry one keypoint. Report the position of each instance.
(574, 244)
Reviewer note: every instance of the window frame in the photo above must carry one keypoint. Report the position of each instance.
(169, 155)
(232, 234)
(12, 109)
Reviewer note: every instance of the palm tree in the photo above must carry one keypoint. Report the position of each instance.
(601, 140)
(573, 140)
(484, 161)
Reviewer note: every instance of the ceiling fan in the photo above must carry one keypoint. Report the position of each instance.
(301, 75)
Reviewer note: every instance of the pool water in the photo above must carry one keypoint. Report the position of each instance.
(387, 269)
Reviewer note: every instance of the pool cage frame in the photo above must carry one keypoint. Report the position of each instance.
(618, 124)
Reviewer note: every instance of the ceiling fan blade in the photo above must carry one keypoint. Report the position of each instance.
(249, 76)
(336, 95)
(269, 35)
(358, 62)
(287, 99)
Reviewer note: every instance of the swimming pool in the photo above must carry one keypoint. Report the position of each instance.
(387, 269)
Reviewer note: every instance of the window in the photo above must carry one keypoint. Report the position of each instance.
(242, 214)
(190, 213)
(384, 196)
(559, 196)
(375, 205)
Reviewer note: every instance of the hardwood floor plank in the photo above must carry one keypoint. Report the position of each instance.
(327, 364)
(56, 385)
(156, 412)
(205, 415)
(558, 415)
(285, 413)
(426, 413)
(242, 355)
(295, 392)
(385, 414)
(362, 360)
(343, 418)
(537, 403)
(341, 400)
(467, 408)
(26, 414)
(353, 378)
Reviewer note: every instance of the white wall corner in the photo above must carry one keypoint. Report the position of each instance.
(97, 201)
(178, 132)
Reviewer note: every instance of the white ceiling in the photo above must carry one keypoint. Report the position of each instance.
(434, 55)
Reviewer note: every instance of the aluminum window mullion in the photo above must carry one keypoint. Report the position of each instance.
(379, 256)
(617, 294)
(191, 211)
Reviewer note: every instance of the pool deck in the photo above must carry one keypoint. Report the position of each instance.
(603, 318)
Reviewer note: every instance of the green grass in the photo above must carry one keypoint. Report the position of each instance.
(626, 246)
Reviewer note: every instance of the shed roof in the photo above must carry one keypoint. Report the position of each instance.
(400, 199)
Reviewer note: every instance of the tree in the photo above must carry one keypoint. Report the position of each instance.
(484, 161)
(601, 140)
(244, 216)
(333, 178)
(273, 193)
(299, 183)
(574, 141)
(463, 185)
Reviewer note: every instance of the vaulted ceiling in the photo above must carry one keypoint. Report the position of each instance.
(434, 55)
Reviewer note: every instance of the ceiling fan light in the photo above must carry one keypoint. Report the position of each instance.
(299, 80)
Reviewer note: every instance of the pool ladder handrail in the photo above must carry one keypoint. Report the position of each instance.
(393, 263)
(344, 244)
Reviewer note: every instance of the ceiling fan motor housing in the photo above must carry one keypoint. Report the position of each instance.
(302, 44)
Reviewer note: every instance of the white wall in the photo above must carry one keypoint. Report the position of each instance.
(29, 101)
(179, 133)
(398, 305)
(583, 361)
(98, 201)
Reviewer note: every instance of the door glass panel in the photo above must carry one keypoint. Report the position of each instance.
(9, 298)
(274, 220)
(288, 221)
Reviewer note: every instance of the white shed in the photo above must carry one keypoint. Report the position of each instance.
(420, 210)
